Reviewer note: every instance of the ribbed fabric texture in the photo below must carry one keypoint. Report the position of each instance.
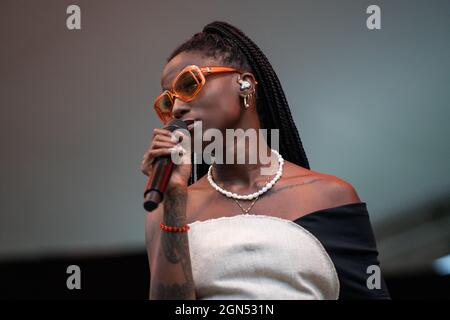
(259, 257)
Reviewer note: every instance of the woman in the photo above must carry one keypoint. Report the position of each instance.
(300, 234)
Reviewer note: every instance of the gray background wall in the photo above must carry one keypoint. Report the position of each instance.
(372, 107)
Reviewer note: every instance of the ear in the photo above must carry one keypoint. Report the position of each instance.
(249, 77)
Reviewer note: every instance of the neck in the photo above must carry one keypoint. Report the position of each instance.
(246, 175)
(239, 178)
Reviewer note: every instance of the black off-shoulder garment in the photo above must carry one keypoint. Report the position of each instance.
(347, 236)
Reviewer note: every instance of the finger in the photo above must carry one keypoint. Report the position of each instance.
(178, 136)
(157, 149)
(163, 138)
(146, 166)
(146, 170)
(159, 152)
(161, 131)
(157, 132)
(180, 155)
(147, 161)
(163, 144)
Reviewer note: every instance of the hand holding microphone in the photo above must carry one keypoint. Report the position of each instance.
(157, 164)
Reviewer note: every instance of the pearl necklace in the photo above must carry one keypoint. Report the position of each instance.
(254, 195)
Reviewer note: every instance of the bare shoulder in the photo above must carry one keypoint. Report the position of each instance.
(331, 190)
(338, 190)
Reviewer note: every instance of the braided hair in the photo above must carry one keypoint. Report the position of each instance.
(229, 44)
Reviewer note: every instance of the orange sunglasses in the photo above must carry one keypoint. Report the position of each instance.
(188, 83)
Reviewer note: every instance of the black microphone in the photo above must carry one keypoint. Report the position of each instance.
(162, 170)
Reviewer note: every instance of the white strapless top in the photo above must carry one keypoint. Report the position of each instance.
(259, 257)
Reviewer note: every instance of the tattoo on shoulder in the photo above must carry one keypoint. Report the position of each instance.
(292, 186)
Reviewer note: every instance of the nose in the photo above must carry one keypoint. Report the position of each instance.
(179, 108)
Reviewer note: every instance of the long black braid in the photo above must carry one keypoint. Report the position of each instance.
(229, 44)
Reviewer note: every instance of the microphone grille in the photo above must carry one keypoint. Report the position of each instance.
(175, 124)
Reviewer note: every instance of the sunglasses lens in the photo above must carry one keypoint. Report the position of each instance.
(163, 106)
(187, 84)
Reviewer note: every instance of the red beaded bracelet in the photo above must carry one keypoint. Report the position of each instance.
(174, 229)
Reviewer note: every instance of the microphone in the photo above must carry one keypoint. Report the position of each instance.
(162, 170)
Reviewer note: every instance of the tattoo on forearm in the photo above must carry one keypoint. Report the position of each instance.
(175, 247)
(173, 291)
(174, 244)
